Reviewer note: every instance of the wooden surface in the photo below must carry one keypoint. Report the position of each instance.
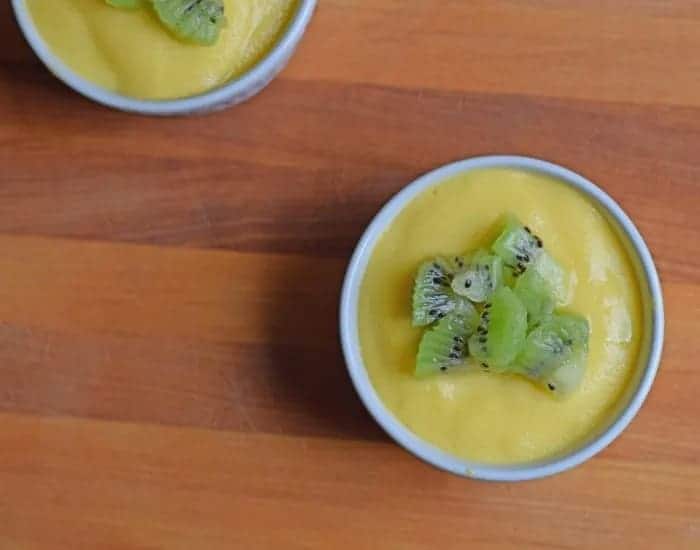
(170, 376)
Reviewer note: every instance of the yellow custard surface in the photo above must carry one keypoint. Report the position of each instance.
(130, 52)
(489, 418)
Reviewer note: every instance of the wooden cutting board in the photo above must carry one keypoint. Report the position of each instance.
(170, 375)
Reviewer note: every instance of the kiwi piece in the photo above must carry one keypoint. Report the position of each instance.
(535, 292)
(517, 246)
(500, 336)
(445, 346)
(555, 353)
(198, 21)
(555, 276)
(433, 297)
(480, 279)
(129, 4)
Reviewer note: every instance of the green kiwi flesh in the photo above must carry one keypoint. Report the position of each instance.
(444, 346)
(433, 297)
(554, 275)
(480, 279)
(501, 333)
(517, 246)
(537, 296)
(197, 21)
(516, 287)
(555, 353)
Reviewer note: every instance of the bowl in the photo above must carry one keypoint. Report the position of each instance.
(231, 93)
(630, 403)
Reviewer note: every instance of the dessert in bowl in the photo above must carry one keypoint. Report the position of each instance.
(502, 318)
(165, 56)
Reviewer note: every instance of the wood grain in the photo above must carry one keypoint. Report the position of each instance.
(170, 375)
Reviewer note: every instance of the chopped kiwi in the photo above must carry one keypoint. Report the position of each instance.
(517, 246)
(480, 279)
(555, 276)
(433, 297)
(537, 296)
(197, 21)
(517, 330)
(555, 353)
(445, 346)
(501, 333)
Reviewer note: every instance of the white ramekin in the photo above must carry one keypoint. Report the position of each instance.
(631, 402)
(235, 91)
